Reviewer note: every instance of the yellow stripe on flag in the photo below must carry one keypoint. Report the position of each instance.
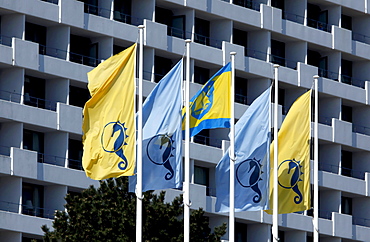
(109, 118)
(293, 159)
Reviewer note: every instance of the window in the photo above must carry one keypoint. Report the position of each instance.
(201, 75)
(241, 87)
(90, 6)
(37, 34)
(32, 199)
(75, 151)
(316, 18)
(346, 205)
(161, 67)
(346, 68)
(347, 113)
(278, 52)
(122, 11)
(278, 4)
(346, 22)
(83, 51)
(241, 232)
(34, 92)
(346, 163)
(78, 96)
(240, 37)
(202, 137)
(202, 28)
(34, 141)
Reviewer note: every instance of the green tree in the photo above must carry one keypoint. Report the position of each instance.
(108, 213)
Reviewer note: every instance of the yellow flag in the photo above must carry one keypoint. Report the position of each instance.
(293, 159)
(109, 118)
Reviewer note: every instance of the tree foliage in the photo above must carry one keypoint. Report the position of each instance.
(108, 213)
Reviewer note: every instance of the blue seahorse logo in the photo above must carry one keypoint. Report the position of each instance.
(248, 174)
(111, 130)
(291, 172)
(159, 151)
(204, 102)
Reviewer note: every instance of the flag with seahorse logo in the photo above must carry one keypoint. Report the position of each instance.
(252, 140)
(210, 106)
(109, 118)
(293, 159)
(162, 137)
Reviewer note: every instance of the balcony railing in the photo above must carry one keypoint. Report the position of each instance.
(293, 17)
(84, 60)
(247, 4)
(335, 169)
(319, 25)
(53, 52)
(28, 100)
(27, 209)
(117, 15)
(205, 140)
(51, 1)
(59, 161)
(205, 40)
(361, 221)
(361, 38)
(5, 40)
(360, 129)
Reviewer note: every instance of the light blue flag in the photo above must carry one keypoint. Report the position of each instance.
(162, 135)
(252, 149)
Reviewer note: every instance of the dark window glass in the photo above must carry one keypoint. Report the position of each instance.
(32, 199)
(346, 163)
(346, 69)
(161, 67)
(346, 206)
(241, 232)
(202, 30)
(75, 151)
(240, 37)
(33, 140)
(241, 90)
(122, 11)
(346, 22)
(34, 91)
(278, 52)
(83, 51)
(278, 4)
(36, 33)
(347, 113)
(78, 96)
(201, 75)
(202, 137)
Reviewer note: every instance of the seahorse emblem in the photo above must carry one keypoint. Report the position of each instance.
(248, 174)
(203, 103)
(115, 131)
(159, 151)
(290, 175)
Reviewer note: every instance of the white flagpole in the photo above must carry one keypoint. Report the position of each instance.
(232, 153)
(316, 165)
(139, 163)
(275, 222)
(187, 147)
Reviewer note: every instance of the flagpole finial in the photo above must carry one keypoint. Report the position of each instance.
(188, 41)
(316, 77)
(141, 26)
(232, 53)
(276, 66)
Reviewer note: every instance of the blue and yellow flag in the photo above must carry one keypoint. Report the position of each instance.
(293, 159)
(109, 118)
(210, 107)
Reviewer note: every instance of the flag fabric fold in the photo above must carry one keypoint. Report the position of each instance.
(293, 158)
(210, 106)
(252, 140)
(109, 118)
(162, 136)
